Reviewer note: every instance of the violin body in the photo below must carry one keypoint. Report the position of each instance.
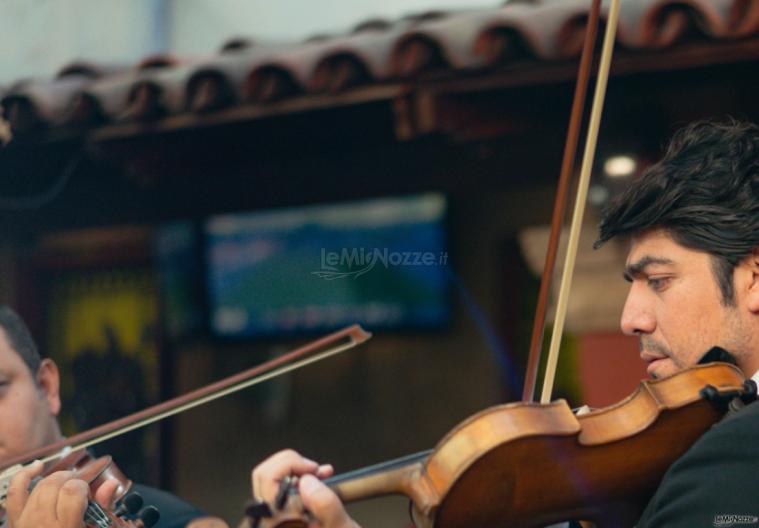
(523, 465)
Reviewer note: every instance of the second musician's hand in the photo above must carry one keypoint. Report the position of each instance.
(56, 501)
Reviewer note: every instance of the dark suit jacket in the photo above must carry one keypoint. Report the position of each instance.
(175, 513)
(718, 477)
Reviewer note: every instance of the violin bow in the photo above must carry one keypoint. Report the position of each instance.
(567, 166)
(312, 352)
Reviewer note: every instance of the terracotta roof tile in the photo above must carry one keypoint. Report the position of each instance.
(136, 94)
(245, 71)
(661, 23)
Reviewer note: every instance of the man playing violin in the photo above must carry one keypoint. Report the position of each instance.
(29, 405)
(693, 266)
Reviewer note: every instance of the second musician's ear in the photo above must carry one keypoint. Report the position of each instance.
(753, 290)
(48, 380)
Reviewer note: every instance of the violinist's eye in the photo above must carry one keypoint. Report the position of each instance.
(658, 283)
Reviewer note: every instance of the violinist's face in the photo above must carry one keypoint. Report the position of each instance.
(675, 306)
(27, 408)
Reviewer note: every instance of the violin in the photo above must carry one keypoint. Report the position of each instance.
(125, 509)
(524, 465)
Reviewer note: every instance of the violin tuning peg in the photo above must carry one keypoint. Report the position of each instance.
(712, 394)
(130, 504)
(149, 515)
(750, 391)
(256, 509)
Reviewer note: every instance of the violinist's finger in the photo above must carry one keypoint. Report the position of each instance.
(325, 471)
(72, 501)
(267, 475)
(106, 493)
(323, 504)
(44, 496)
(18, 489)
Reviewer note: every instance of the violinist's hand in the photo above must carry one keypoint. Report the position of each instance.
(106, 492)
(57, 501)
(324, 505)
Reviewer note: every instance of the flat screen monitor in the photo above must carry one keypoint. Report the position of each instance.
(381, 263)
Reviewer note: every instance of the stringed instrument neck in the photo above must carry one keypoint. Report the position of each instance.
(395, 477)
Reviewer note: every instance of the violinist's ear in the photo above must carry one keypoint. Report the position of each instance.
(48, 381)
(753, 290)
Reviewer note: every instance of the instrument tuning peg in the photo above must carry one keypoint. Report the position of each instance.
(130, 504)
(257, 509)
(149, 515)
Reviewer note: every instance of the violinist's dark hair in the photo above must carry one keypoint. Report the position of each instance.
(19, 338)
(704, 193)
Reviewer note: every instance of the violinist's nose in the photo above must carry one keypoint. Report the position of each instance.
(637, 316)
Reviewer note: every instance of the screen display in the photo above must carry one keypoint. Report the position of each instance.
(381, 263)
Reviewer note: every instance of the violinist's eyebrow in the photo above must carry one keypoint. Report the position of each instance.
(636, 268)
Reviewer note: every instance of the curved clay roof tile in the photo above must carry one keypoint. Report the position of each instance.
(237, 44)
(209, 91)
(269, 83)
(372, 24)
(339, 72)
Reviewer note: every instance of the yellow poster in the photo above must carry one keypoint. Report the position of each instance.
(103, 335)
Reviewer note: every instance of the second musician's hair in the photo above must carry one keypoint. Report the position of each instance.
(20, 339)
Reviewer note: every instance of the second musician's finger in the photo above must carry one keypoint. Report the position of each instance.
(44, 497)
(18, 489)
(106, 493)
(71, 504)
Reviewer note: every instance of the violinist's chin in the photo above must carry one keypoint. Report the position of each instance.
(652, 368)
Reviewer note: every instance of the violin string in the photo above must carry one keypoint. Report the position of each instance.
(580, 200)
(95, 514)
(89, 517)
(229, 390)
(92, 512)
